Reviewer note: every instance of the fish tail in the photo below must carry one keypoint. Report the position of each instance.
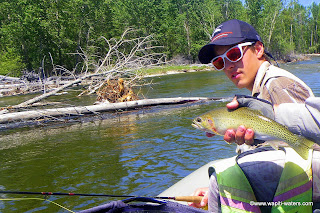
(302, 148)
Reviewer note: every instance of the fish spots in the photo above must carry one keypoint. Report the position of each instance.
(219, 120)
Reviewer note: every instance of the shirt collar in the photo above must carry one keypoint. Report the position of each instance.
(259, 78)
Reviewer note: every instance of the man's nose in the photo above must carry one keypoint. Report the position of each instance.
(228, 64)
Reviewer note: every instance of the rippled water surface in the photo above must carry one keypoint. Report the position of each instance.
(138, 153)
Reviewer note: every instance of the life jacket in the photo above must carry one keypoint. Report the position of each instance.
(294, 188)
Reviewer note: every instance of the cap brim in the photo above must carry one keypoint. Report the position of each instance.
(206, 54)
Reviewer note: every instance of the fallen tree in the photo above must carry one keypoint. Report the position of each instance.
(94, 109)
(111, 75)
(119, 58)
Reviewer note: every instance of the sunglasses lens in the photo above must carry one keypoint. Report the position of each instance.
(218, 63)
(234, 54)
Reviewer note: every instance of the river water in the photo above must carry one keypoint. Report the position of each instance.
(138, 153)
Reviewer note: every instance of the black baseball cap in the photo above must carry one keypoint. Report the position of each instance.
(230, 32)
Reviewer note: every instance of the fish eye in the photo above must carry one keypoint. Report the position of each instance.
(198, 119)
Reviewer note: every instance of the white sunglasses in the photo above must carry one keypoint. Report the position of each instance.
(234, 54)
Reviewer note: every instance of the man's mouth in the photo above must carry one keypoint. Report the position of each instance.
(235, 75)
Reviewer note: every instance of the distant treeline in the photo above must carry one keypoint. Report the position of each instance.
(36, 33)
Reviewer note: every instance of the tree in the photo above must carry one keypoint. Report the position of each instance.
(254, 10)
(40, 33)
(314, 31)
(269, 19)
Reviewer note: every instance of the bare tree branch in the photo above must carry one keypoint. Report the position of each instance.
(123, 57)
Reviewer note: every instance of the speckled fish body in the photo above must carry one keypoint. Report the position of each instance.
(219, 120)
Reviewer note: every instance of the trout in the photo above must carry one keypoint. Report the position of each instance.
(219, 120)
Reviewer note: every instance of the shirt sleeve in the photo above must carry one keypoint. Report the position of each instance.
(285, 90)
(303, 119)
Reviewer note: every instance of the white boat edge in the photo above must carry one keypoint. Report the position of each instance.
(187, 186)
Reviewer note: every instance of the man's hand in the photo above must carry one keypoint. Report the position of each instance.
(243, 135)
(201, 192)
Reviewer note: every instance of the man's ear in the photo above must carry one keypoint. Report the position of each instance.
(259, 49)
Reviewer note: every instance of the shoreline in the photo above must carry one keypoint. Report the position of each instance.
(202, 67)
(171, 69)
(186, 68)
(312, 54)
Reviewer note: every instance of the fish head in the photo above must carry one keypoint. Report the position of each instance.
(204, 123)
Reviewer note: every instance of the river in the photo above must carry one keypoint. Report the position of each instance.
(138, 153)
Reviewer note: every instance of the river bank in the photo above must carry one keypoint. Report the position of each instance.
(169, 69)
(12, 86)
(175, 69)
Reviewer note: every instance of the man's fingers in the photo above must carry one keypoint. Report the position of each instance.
(233, 104)
(229, 136)
(240, 133)
(249, 137)
(204, 200)
(241, 136)
(200, 192)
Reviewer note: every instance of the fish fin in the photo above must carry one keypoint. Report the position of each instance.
(273, 144)
(303, 147)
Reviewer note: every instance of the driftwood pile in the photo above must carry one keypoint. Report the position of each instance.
(10, 86)
(113, 95)
(110, 75)
(113, 91)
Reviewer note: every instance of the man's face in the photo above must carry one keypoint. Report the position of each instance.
(243, 72)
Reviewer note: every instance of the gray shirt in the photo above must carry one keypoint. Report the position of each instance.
(302, 119)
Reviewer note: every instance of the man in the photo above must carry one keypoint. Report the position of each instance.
(238, 50)
(263, 167)
(247, 66)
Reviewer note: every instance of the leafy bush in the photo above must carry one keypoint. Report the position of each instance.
(10, 63)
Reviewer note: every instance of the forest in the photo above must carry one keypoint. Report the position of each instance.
(35, 35)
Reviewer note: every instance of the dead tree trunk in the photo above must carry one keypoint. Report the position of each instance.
(93, 109)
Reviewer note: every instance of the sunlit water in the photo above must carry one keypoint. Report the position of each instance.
(138, 153)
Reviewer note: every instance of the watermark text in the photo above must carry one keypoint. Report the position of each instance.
(281, 203)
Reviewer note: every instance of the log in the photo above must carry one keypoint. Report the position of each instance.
(64, 86)
(8, 78)
(45, 95)
(92, 109)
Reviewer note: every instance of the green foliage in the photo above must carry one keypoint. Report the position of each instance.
(10, 63)
(39, 33)
(171, 68)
